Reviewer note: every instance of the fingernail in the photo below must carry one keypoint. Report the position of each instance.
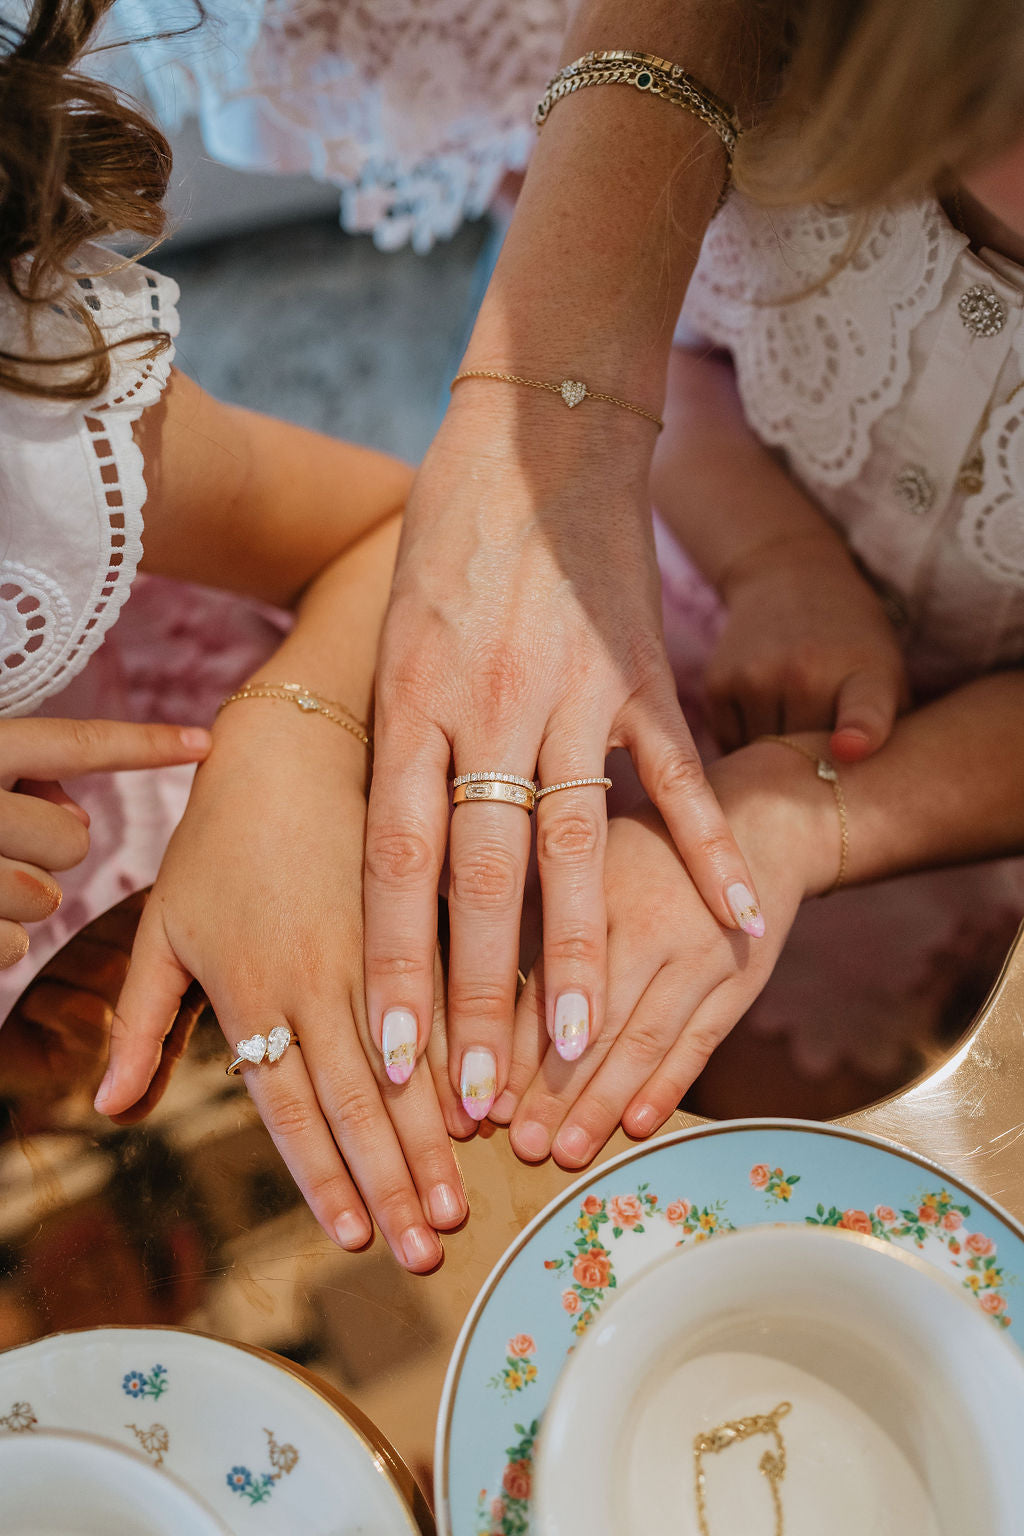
(195, 738)
(504, 1107)
(478, 1081)
(350, 1230)
(420, 1247)
(572, 1025)
(573, 1144)
(445, 1205)
(398, 1043)
(531, 1140)
(745, 910)
(103, 1091)
(643, 1119)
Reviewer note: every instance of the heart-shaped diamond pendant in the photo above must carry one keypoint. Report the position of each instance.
(254, 1049)
(278, 1041)
(573, 391)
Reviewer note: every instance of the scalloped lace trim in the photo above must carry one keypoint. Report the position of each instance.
(55, 607)
(820, 336)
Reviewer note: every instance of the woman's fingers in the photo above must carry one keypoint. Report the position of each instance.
(572, 833)
(671, 771)
(406, 833)
(490, 845)
(530, 1043)
(39, 748)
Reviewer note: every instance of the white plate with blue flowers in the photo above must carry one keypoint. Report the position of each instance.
(616, 1221)
(268, 1450)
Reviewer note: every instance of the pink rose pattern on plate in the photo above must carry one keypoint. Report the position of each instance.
(588, 1267)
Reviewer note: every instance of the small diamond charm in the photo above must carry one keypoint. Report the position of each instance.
(573, 391)
(826, 771)
(278, 1041)
(982, 310)
(305, 702)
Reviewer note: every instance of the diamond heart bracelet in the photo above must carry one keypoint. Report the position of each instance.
(572, 391)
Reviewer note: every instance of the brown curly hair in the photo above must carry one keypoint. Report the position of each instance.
(78, 162)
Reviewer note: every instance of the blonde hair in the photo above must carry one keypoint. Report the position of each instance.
(884, 99)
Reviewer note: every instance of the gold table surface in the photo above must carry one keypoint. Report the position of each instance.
(189, 1217)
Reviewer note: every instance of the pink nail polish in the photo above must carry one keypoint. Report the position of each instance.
(398, 1044)
(572, 1025)
(745, 910)
(477, 1081)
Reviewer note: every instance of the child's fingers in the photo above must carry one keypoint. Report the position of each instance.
(27, 893)
(56, 794)
(38, 748)
(866, 708)
(146, 1010)
(40, 832)
(13, 943)
(530, 1042)
(683, 1064)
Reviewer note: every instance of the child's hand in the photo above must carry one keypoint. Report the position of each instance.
(260, 899)
(677, 980)
(807, 646)
(41, 828)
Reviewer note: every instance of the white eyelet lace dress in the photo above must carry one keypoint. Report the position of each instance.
(885, 380)
(416, 109)
(71, 512)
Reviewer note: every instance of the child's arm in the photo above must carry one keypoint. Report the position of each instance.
(945, 789)
(807, 644)
(259, 895)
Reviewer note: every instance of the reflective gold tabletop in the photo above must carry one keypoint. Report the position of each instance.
(189, 1218)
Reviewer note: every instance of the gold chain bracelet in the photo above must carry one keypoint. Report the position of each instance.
(309, 703)
(659, 77)
(572, 391)
(772, 1464)
(825, 770)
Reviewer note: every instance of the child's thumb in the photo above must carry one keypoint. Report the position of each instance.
(866, 708)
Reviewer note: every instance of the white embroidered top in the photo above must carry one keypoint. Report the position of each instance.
(71, 482)
(888, 378)
(415, 108)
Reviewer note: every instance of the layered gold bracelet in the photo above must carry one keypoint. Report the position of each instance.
(659, 77)
(309, 703)
(825, 770)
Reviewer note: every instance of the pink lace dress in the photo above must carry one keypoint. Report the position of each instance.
(83, 633)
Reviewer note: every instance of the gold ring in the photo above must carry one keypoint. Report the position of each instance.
(257, 1048)
(552, 789)
(508, 792)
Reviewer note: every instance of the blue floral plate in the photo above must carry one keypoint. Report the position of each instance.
(690, 1187)
(264, 1445)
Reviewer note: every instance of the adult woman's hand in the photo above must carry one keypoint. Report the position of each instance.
(524, 632)
(258, 899)
(41, 828)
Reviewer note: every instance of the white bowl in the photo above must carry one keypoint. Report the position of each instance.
(65, 1483)
(907, 1402)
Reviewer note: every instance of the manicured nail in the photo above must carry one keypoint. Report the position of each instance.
(195, 738)
(573, 1144)
(398, 1044)
(572, 1025)
(745, 910)
(531, 1141)
(103, 1091)
(351, 1230)
(643, 1119)
(478, 1081)
(445, 1205)
(420, 1247)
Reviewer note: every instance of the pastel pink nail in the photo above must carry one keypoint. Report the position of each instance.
(745, 909)
(477, 1081)
(398, 1043)
(572, 1025)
